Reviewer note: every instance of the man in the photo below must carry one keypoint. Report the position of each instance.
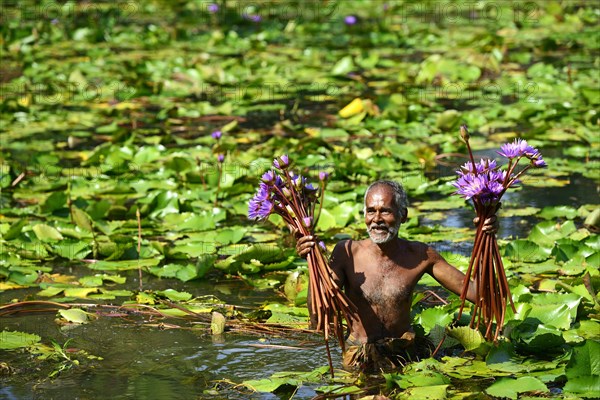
(379, 276)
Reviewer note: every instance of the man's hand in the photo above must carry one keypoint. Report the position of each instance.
(490, 225)
(304, 245)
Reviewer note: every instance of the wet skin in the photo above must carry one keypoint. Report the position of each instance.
(379, 274)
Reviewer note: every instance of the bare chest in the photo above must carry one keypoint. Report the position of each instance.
(388, 285)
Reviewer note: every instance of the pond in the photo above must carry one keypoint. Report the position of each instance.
(133, 135)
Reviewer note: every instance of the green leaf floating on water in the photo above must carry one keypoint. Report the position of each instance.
(185, 272)
(270, 384)
(123, 265)
(417, 379)
(343, 66)
(284, 378)
(431, 317)
(15, 340)
(526, 251)
(15, 229)
(583, 370)
(72, 249)
(82, 219)
(243, 254)
(547, 232)
(511, 388)
(326, 220)
(46, 233)
(431, 392)
(469, 338)
(285, 315)
(174, 295)
(558, 211)
(74, 315)
(532, 337)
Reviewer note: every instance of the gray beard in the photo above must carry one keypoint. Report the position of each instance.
(391, 234)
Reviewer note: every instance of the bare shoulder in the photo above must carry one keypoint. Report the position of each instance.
(342, 250)
(358, 246)
(413, 246)
(420, 249)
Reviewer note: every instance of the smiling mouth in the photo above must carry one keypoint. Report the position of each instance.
(380, 229)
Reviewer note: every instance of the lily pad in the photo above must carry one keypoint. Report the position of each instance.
(10, 340)
(512, 388)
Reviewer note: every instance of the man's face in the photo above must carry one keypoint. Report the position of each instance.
(382, 217)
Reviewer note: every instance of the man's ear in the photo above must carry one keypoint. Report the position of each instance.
(403, 215)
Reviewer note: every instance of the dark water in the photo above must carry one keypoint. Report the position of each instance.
(142, 362)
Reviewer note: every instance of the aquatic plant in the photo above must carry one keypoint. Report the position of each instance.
(484, 183)
(291, 196)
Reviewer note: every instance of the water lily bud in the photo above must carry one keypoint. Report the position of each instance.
(221, 158)
(307, 221)
(323, 176)
(297, 182)
(290, 211)
(281, 162)
(538, 162)
(287, 193)
(216, 135)
(464, 132)
(268, 177)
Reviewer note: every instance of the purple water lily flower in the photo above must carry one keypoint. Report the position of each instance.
(216, 135)
(260, 206)
(213, 8)
(221, 158)
(350, 20)
(487, 185)
(253, 17)
(279, 182)
(311, 187)
(517, 148)
(468, 185)
(259, 209)
(323, 176)
(480, 167)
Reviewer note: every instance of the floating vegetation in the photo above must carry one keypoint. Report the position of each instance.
(111, 172)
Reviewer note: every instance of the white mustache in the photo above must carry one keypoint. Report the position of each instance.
(379, 226)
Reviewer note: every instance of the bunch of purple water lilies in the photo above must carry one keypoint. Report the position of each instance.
(485, 183)
(283, 192)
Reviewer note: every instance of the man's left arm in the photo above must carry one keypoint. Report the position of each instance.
(449, 276)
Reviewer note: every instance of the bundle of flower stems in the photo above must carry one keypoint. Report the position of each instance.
(292, 197)
(485, 183)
